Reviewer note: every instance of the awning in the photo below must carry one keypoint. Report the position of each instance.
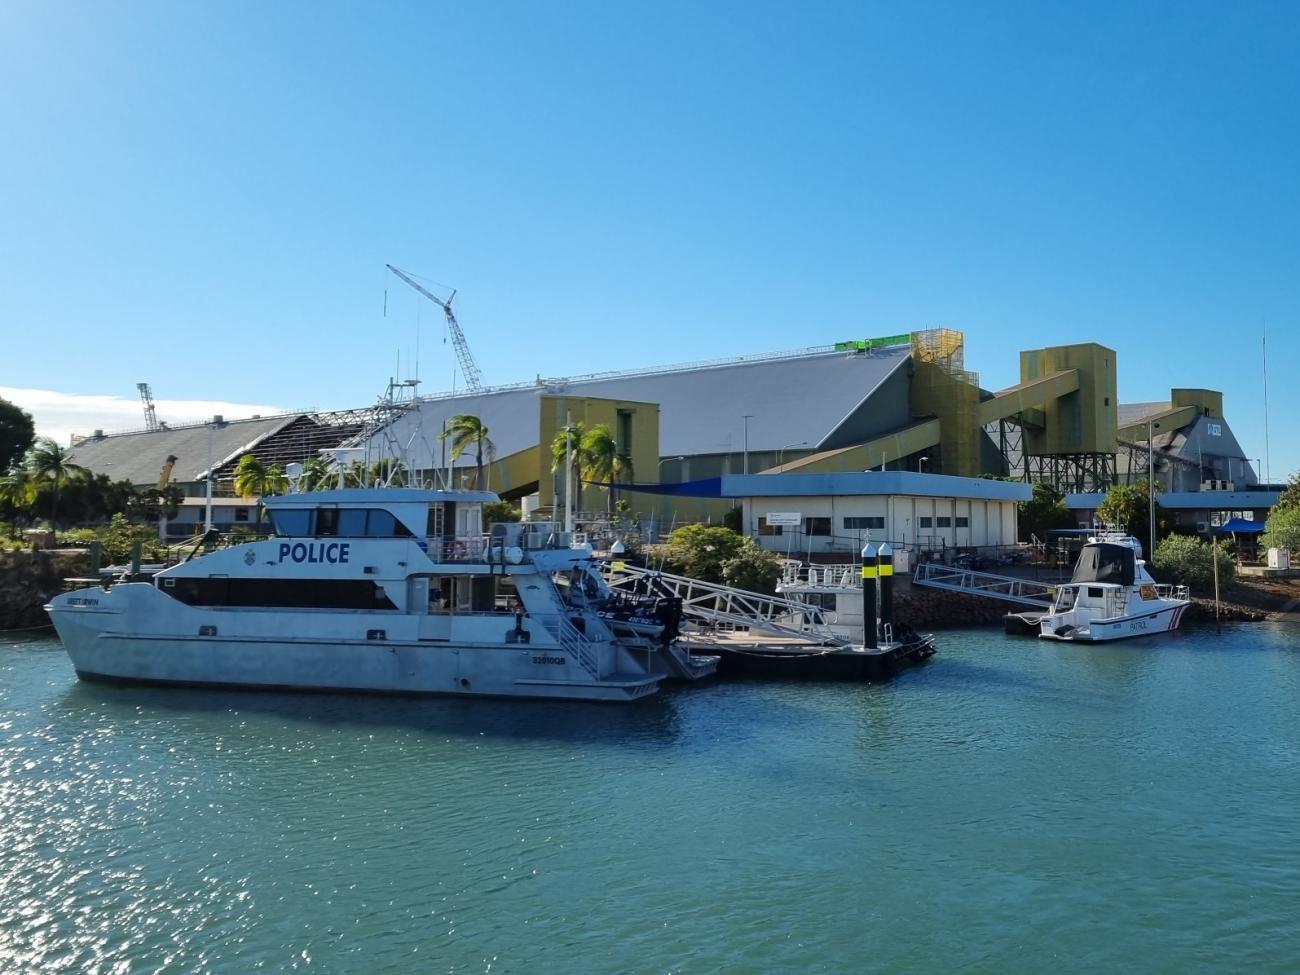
(1240, 525)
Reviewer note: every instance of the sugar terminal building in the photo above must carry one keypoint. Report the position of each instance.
(899, 403)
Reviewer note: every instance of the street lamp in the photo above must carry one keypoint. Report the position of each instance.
(664, 460)
(920, 464)
(747, 417)
(780, 456)
(217, 421)
(1152, 427)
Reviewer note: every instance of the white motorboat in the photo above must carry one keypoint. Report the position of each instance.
(1111, 596)
(370, 589)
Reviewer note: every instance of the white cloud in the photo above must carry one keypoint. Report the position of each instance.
(60, 415)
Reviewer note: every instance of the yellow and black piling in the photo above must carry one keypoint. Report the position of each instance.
(886, 574)
(869, 571)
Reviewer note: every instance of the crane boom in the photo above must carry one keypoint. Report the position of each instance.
(468, 367)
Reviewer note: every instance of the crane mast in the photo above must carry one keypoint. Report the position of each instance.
(150, 413)
(468, 367)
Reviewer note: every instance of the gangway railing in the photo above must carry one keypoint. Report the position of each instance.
(1026, 592)
(725, 607)
(568, 637)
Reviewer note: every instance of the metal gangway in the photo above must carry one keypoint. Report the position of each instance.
(722, 607)
(1026, 592)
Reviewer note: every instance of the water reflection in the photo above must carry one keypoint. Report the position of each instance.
(652, 719)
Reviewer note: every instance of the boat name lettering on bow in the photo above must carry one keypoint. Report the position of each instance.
(334, 553)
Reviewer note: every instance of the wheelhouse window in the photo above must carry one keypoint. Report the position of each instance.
(327, 522)
(337, 523)
(291, 522)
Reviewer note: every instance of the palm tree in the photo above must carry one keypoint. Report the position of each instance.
(603, 460)
(17, 492)
(577, 457)
(317, 475)
(47, 461)
(254, 479)
(465, 429)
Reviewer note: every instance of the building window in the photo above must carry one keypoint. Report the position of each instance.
(625, 433)
(765, 529)
(241, 514)
(924, 522)
(963, 521)
(868, 523)
(945, 521)
(817, 526)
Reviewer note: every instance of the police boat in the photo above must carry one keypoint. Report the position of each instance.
(370, 589)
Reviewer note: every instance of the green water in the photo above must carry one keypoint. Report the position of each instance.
(1012, 806)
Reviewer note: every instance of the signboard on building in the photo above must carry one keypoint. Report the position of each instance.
(784, 519)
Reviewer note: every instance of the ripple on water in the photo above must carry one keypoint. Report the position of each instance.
(1010, 807)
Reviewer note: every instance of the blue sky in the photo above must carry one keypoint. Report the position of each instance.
(204, 196)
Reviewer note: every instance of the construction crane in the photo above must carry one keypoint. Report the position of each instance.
(468, 367)
(150, 414)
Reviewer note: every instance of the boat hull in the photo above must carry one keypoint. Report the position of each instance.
(1163, 620)
(119, 640)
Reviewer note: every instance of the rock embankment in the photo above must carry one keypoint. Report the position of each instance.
(28, 580)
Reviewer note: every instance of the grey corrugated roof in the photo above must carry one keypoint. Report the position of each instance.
(1130, 413)
(789, 399)
(139, 457)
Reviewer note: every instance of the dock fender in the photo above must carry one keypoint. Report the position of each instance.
(1065, 630)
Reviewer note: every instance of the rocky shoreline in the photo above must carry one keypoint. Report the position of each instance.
(29, 579)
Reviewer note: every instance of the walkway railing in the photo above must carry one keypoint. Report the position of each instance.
(1026, 592)
(725, 607)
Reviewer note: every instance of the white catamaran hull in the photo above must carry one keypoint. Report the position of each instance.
(1163, 620)
(133, 633)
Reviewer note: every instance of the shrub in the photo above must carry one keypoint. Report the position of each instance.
(753, 568)
(1282, 530)
(1189, 561)
(499, 511)
(700, 551)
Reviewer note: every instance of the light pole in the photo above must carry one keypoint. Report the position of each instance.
(920, 464)
(780, 456)
(217, 421)
(747, 417)
(664, 460)
(1152, 426)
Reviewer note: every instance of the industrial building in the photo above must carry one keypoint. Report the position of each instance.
(895, 403)
(806, 515)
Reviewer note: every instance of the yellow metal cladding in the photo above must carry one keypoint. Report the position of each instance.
(1027, 398)
(868, 572)
(1207, 401)
(1082, 421)
(628, 421)
(863, 457)
(943, 388)
(886, 568)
